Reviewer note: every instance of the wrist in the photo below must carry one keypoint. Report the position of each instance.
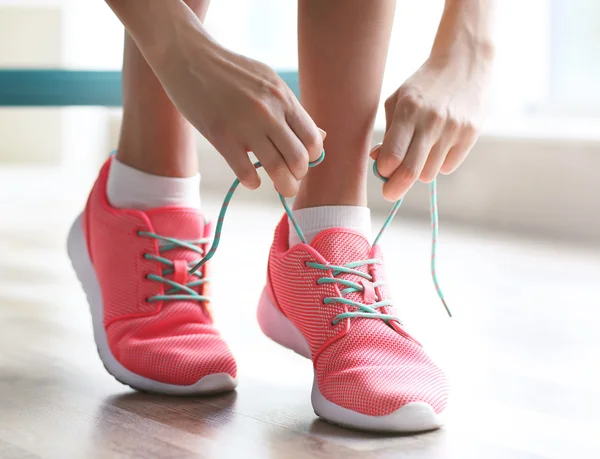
(183, 39)
(465, 32)
(464, 49)
(162, 30)
(173, 32)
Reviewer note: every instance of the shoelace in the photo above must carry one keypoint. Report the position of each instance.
(174, 293)
(362, 310)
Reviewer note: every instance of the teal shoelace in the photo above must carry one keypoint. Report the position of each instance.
(361, 310)
(177, 291)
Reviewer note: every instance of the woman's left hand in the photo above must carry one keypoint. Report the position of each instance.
(433, 121)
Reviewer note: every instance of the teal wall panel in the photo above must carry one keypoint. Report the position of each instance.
(59, 88)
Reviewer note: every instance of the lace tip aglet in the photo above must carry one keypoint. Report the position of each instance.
(446, 307)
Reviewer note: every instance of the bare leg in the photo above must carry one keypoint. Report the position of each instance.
(155, 137)
(342, 51)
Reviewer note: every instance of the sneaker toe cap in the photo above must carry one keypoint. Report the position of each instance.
(381, 390)
(181, 360)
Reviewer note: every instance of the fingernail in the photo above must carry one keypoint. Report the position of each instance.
(387, 198)
(374, 150)
(251, 184)
(323, 133)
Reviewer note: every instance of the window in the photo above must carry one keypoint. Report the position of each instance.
(547, 50)
(575, 61)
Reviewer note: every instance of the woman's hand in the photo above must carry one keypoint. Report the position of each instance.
(434, 118)
(433, 121)
(238, 104)
(242, 105)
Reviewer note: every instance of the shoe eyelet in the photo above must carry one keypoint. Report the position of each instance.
(138, 232)
(147, 300)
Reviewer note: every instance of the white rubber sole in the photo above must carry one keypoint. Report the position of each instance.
(413, 417)
(78, 253)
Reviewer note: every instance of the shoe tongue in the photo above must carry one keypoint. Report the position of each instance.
(340, 246)
(184, 224)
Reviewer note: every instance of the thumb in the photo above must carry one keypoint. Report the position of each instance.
(374, 153)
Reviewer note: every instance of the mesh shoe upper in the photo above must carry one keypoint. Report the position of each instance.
(362, 364)
(173, 341)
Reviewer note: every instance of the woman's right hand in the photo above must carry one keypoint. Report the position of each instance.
(239, 105)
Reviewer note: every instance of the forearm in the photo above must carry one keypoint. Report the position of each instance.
(158, 26)
(466, 29)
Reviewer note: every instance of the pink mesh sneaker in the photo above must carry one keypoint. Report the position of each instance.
(328, 302)
(152, 321)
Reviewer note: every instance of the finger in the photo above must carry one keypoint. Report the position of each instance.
(409, 171)
(375, 151)
(438, 153)
(306, 130)
(276, 166)
(458, 153)
(390, 108)
(435, 160)
(394, 147)
(400, 115)
(292, 150)
(456, 156)
(242, 167)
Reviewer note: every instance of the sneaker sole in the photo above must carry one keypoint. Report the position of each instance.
(78, 253)
(412, 417)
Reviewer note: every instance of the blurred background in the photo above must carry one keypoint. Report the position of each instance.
(535, 170)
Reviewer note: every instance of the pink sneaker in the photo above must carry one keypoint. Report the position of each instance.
(152, 322)
(369, 372)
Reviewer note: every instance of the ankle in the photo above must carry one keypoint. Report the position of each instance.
(341, 180)
(172, 154)
(314, 220)
(131, 188)
(325, 188)
(173, 164)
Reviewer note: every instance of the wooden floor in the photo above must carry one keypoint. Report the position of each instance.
(523, 352)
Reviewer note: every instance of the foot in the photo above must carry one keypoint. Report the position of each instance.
(369, 372)
(152, 321)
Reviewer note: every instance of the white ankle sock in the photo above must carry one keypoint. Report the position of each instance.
(129, 188)
(316, 219)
